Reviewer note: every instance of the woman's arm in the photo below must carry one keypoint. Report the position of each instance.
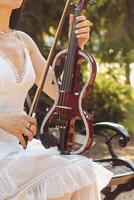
(38, 61)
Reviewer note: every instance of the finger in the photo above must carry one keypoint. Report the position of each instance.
(83, 35)
(80, 18)
(22, 141)
(71, 19)
(33, 129)
(28, 125)
(32, 120)
(83, 18)
(83, 30)
(85, 23)
(30, 135)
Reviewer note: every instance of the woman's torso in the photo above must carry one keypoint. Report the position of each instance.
(14, 82)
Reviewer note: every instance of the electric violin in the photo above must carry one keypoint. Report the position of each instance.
(75, 72)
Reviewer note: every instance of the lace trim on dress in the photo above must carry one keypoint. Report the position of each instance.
(58, 182)
(41, 186)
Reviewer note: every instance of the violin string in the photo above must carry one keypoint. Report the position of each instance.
(68, 73)
(64, 83)
(58, 109)
(60, 98)
(68, 70)
(63, 86)
(73, 44)
(69, 62)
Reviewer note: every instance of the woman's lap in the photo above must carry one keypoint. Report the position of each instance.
(54, 175)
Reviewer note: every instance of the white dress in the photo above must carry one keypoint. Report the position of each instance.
(38, 173)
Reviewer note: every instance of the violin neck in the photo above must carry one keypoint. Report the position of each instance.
(73, 44)
(71, 56)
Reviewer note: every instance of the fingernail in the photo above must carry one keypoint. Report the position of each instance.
(76, 31)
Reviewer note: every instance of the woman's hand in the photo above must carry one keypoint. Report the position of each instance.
(82, 29)
(17, 125)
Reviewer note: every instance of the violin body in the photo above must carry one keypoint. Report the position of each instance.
(67, 124)
(64, 123)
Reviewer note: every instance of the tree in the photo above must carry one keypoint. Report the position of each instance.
(38, 18)
(113, 32)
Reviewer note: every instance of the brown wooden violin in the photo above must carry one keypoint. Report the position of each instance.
(75, 72)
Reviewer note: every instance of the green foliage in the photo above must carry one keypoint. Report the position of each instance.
(128, 121)
(112, 34)
(114, 25)
(109, 99)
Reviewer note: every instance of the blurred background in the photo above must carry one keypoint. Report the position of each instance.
(111, 44)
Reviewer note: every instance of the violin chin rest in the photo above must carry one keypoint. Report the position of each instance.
(48, 140)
